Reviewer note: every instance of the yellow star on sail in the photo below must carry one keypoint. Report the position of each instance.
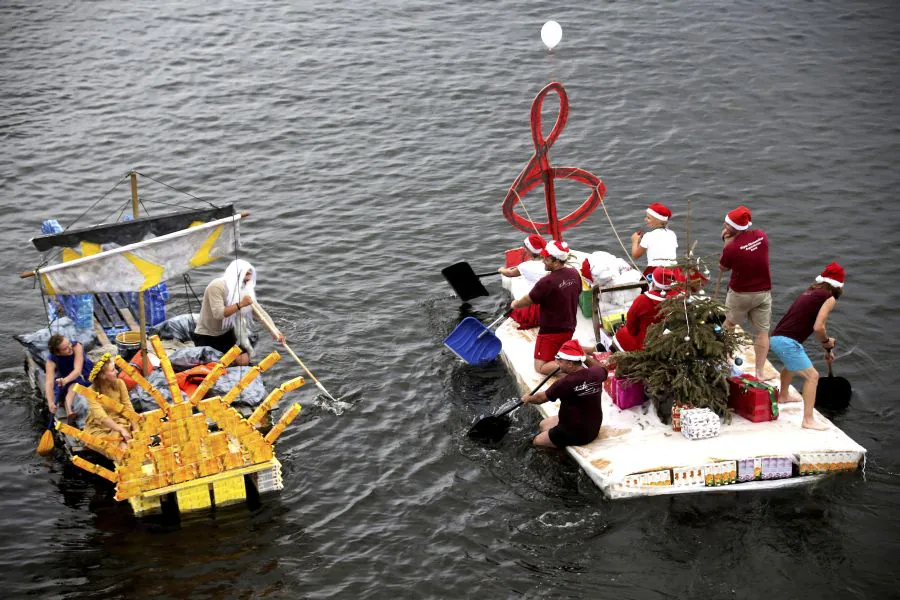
(152, 272)
(202, 255)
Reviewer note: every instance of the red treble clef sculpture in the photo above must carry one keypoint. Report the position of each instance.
(539, 171)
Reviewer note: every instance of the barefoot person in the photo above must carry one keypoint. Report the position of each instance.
(746, 254)
(557, 294)
(580, 413)
(807, 315)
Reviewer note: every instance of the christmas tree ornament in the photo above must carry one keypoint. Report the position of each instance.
(687, 338)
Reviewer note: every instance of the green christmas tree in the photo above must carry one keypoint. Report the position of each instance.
(686, 355)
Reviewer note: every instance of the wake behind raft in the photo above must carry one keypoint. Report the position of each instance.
(636, 453)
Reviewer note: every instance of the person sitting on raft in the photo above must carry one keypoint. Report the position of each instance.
(580, 412)
(807, 315)
(66, 366)
(557, 294)
(644, 311)
(226, 311)
(103, 422)
(660, 244)
(531, 269)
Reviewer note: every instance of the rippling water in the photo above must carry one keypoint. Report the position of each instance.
(372, 142)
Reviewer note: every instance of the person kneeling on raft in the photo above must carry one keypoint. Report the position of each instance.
(580, 412)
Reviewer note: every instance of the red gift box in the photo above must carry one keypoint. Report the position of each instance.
(752, 399)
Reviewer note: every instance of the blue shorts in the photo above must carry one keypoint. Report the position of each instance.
(790, 352)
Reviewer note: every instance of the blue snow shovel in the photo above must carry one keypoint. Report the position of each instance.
(475, 343)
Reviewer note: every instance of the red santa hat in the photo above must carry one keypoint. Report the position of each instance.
(535, 243)
(659, 211)
(558, 250)
(664, 277)
(739, 218)
(571, 350)
(832, 275)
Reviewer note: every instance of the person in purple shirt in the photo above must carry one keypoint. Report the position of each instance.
(580, 413)
(807, 315)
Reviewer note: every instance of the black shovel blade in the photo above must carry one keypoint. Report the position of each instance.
(490, 428)
(833, 393)
(464, 281)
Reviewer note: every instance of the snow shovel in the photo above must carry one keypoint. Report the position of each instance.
(466, 282)
(475, 343)
(492, 428)
(833, 393)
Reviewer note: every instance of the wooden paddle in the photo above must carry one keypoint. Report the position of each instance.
(45, 446)
(492, 428)
(270, 326)
(465, 281)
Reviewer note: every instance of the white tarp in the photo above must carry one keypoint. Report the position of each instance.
(142, 265)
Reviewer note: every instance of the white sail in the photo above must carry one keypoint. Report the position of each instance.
(142, 265)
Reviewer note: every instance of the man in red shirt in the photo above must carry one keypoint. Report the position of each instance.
(807, 315)
(644, 311)
(580, 412)
(749, 300)
(557, 294)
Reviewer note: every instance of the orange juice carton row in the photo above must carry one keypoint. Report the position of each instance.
(651, 478)
(813, 463)
(720, 473)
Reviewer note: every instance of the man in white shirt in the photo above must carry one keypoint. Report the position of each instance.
(660, 244)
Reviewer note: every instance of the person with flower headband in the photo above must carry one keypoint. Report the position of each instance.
(101, 421)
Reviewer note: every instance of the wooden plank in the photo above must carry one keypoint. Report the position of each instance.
(110, 309)
(129, 318)
(101, 335)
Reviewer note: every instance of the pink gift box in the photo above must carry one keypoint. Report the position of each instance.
(627, 393)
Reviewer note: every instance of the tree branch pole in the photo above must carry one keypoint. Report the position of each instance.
(135, 212)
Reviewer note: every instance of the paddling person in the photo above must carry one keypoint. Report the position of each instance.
(807, 315)
(531, 269)
(580, 412)
(66, 366)
(660, 243)
(226, 300)
(557, 295)
(644, 311)
(746, 254)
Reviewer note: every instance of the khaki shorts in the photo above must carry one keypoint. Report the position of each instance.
(754, 308)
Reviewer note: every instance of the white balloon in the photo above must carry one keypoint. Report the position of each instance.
(551, 34)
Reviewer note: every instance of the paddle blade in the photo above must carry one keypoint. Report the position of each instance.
(490, 428)
(833, 393)
(464, 281)
(45, 446)
(473, 342)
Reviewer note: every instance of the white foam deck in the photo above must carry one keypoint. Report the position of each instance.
(635, 440)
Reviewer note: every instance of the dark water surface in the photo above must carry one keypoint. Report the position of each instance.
(372, 142)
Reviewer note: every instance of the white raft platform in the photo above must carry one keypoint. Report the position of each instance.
(635, 454)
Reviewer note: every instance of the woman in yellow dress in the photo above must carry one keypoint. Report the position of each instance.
(101, 421)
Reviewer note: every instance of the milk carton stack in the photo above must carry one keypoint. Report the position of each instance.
(777, 467)
(699, 423)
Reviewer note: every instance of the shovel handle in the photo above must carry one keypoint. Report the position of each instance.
(534, 391)
(488, 274)
(500, 318)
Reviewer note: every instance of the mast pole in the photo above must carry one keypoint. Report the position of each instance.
(135, 211)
